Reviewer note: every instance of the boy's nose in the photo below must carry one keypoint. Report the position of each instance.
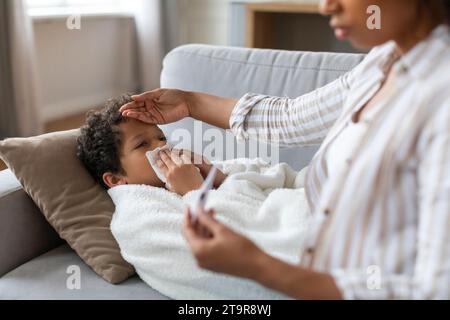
(162, 143)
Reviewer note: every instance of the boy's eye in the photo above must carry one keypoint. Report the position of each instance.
(163, 138)
(142, 144)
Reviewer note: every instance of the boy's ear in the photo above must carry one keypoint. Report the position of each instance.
(113, 180)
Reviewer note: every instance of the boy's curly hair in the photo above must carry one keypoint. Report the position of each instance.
(98, 146)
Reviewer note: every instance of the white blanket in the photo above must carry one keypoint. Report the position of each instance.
(266, 204)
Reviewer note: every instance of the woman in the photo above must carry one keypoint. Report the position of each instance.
(379, 186)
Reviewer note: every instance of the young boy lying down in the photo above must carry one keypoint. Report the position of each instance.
(148, 219)
(113, 149)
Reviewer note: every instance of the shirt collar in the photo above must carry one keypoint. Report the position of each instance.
(418, 61)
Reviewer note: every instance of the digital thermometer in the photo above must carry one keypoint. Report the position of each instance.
(207, 185)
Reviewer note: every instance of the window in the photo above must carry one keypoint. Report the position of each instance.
(49, 7)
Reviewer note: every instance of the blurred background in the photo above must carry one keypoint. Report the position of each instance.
(61, 58)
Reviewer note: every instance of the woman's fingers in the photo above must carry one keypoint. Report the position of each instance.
(140, 110)
(139, 97)
(188, 221)
(132, 106)
(212, 213)
(150, 95)
(194, 228)
(207, 220)
(141, 116)
(190, 230)
(129, 106)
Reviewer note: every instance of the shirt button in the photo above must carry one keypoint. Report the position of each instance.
(327, 212)
(348, 161)
(403, 69)
(310, 251)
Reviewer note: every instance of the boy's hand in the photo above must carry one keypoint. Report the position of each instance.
(203, 164)
(182, 176)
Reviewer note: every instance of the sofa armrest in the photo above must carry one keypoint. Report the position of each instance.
(24, 232)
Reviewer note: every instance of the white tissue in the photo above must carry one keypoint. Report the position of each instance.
(153, 156)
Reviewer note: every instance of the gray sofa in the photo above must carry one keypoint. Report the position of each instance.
(34, 260)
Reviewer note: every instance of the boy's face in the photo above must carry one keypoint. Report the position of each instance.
(137, 139)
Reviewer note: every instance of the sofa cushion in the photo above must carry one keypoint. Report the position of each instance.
(77, 207)
(47, 276)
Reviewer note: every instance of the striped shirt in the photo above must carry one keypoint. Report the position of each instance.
(381, 227)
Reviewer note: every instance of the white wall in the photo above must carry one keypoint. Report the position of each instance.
(80, 69)
(203, 21)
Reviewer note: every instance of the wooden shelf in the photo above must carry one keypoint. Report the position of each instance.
(260, 19)
(287, 7)
(283, 26)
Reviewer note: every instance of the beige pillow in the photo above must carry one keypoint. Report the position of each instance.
(77, 207)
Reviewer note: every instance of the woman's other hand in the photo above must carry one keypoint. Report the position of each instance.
(218, 248)
(160, 106)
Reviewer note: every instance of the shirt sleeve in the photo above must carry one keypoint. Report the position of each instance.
(303, 121)
(431, 277)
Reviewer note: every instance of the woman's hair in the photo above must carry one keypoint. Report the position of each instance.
(440, 9)
(100, 140)
(446, 4)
